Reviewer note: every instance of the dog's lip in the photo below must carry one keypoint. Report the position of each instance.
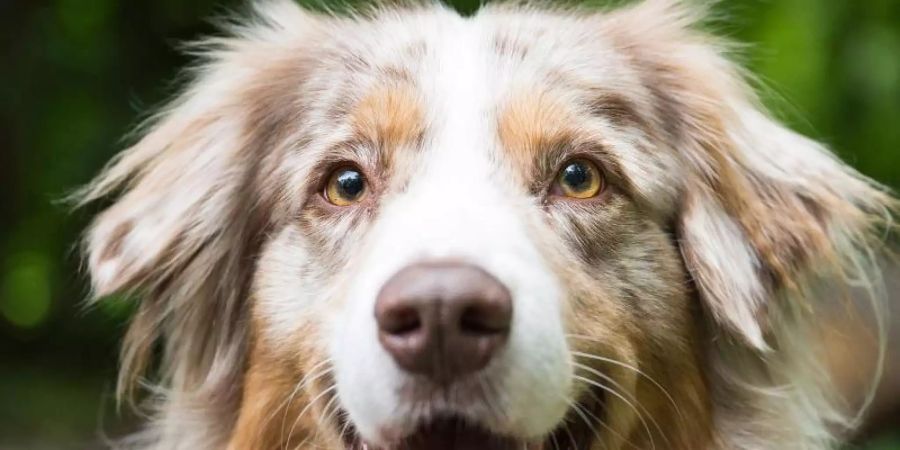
(454, 433)
(451, 433)
(447, 433)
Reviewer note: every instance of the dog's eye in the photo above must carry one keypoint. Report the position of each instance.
(579, 178)
(345, 187)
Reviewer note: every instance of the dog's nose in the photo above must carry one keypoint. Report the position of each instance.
(443, 319)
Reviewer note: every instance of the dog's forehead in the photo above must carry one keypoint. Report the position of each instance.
(498, 57)
(436, 79)
(494, 91)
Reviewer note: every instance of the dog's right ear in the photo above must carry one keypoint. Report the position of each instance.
(189, 202)
(183, 188)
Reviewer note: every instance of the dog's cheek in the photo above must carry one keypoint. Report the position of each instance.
(629, 302)
(651, 285)
(300, 291)
(304, 268)
(644, 285)
(650, 288)
(282, 399)
(627, 276)
(287, 383)
(287, 285)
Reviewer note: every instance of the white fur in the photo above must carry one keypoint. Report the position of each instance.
(455, 208)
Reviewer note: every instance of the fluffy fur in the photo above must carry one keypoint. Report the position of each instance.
(672, 311)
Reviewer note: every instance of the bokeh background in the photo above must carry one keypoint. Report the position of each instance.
(76, 75)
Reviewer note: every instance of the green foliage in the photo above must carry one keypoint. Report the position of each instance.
(79, 74)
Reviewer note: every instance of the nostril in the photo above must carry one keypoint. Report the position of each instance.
(401, 321)
(484, 319)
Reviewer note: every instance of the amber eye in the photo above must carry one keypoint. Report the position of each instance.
(579, 178)
(345, 187)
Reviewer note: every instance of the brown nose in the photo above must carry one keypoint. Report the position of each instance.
(443, 319)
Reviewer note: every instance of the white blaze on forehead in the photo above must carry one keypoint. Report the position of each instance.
(455, 206)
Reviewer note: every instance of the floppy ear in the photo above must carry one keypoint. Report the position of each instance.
(179, 183)
(764, 210)
(188, 212)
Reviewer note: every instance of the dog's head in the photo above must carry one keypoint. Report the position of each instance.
(524, 228)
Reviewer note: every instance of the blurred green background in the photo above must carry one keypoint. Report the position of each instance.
(77, 74)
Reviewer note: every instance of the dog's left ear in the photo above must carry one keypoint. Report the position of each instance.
(763, 208)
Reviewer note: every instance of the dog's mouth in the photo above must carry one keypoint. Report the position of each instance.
(448, 433)
(456, 433)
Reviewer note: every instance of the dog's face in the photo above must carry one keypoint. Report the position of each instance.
(485, 218)
(495, 231)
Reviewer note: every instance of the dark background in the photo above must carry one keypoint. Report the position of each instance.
(78, 74)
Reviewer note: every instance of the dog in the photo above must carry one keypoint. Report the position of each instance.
(536, 227)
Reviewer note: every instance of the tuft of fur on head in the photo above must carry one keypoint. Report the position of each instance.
(768, 223)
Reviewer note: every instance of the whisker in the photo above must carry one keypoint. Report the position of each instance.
(554, 441)
(655, 383)
(620, 397)
(325, 392)
(580, 412)
(311, 376)
(604, 424)
(571, 436)
(346, 423)
(622, 390)
(302, 443)
(326, 413)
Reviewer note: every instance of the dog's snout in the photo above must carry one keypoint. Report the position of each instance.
(443, 320)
